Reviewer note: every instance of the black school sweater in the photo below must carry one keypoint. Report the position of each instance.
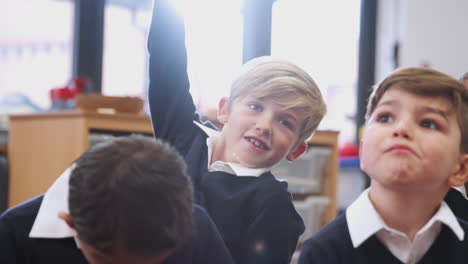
(332, 245)
(457, 203)
(16, 247)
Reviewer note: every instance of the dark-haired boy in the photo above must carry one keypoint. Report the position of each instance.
(414, 148)
(129, 201)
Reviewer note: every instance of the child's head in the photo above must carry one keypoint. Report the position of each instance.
(292, 87)
(273, 108)
(130, 200)
(430, 83)
(417, 124)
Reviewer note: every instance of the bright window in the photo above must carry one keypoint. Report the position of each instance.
(322, 37)
(35, 48)
(124, 70)
(214, 45)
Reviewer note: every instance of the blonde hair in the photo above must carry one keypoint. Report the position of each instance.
(431, 83)
(266, 77)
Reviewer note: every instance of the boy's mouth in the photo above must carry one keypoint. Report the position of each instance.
(257, 143)
(401, 148)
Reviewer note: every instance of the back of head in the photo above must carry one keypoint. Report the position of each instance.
(131, 193)
(431, 83)
(266, 76)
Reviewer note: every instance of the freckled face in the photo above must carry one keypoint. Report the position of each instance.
(258, 132)
(411, 141)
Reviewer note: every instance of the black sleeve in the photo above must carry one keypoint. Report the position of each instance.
(273, 235)
(171, 105)
(205, 245)
(313, 252)
(210, 247)
(7, 242)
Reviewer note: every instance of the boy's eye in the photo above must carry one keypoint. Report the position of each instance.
(255, 107)
(431, 124)
(285, 123)
(384, 118)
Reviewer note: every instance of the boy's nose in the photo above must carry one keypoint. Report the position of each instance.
(263, 127)
(402, 129)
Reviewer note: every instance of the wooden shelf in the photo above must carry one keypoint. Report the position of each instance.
(42, 146)
(329, 138)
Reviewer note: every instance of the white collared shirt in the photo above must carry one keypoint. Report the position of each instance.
(364, 221)
(47, 223)
(228, 167)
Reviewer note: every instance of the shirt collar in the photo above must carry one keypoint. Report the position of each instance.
(364, 221)
(47, 223)
(228, 167)
(462, 190)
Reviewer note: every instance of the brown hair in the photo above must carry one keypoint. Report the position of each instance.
(427, 82)
(131, 193)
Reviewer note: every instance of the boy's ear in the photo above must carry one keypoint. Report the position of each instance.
(297, 152)
(67, 218)
(223, 110)
(460, 176)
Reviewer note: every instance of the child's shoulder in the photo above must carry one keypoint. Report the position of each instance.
(20, 219)
(335, 232)
(25, 210)
(329, 244)
(269, 186)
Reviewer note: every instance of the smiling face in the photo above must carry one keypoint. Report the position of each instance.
(412, 141)
(257, 132)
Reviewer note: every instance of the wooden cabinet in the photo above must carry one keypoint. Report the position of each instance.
(42, 146)
(328, 138)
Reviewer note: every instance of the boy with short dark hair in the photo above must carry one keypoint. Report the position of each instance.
(129, 200)
(274, 107)
(414, 148)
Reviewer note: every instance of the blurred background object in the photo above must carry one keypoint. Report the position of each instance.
(109, 104)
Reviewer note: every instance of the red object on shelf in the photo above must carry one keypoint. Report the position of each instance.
(62, 93)
(349, 150)
(64, 97)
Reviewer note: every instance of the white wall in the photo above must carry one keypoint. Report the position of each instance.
(388, 33)
(431, 32)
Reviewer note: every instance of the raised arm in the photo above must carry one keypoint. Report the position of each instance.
(171, 105)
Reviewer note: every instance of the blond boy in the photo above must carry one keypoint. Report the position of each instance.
(274, 107)
(414, 149)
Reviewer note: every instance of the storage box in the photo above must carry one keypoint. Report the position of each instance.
(311, 211)
(305, 174)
